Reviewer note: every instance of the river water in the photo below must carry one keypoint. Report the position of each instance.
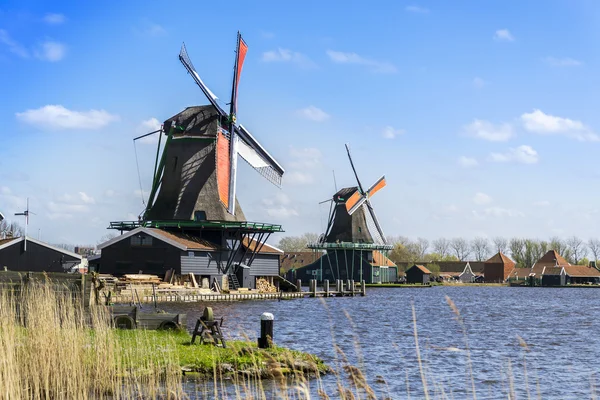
(557, 358)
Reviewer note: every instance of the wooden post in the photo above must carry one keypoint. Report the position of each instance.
(363, 288)
(348, 287)
(326, 287)
(352, 287)
(266, 330)
(313, 287)
(338, 286)
(299, 285)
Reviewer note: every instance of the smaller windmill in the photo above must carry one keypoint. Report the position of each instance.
(26, 215)
(352, 218)
(353, 241)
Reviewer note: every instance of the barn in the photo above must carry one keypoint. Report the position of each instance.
(418, 274)
(28, 254)
(155, 251)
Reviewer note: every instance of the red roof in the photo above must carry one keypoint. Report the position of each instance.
(581, 271)
(500, 258)
(380, 260)
(550, 259)
(422, 269)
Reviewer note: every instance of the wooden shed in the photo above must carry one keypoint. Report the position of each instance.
(418, 274)
(28, 254)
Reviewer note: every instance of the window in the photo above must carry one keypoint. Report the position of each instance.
(200, 215)
(359, 229)
(141, 240)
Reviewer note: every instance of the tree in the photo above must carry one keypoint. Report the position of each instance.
(594, 246)
(517, 250)
(500, 244)
(577, 249)
(421, 246)
(560, 246)
(441, 246)
(480, 248)
(107, 237)
(297, 243)
(461, 248)
(435, 269)
(11, 228)
(404, 254)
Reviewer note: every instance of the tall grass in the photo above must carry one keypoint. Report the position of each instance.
(49, 351)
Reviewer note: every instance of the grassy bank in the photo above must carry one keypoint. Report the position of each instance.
(204, 360)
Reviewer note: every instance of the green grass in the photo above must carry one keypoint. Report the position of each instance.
(205, 359)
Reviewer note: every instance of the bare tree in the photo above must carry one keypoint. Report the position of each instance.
(560, 246)
(11, 228)
(393, 240)
(422, 247)
(461, 248)
(594, 246)
(576, 248)
(480, 248)
(107, 237)
(500, 244)
(297, 243)
(442, 247)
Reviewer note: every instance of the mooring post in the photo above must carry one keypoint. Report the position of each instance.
(337, 286)
(266, 330)
(326, 287)
(348, 287)
(299, 285)
(313, 287)
(351, 287)
(363, 288)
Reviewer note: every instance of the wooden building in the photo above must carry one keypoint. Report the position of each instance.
(498, 268)
(28, 254)
(371, 266)
(553, 276)
(418, 274)
(155, 251)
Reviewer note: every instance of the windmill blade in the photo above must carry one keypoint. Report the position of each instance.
(379, 238)
(376, 187)
(256, 155)
(354, 169)
(187, 63)
(354, 202)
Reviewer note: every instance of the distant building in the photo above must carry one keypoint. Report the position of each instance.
(84, 250)
(418, 274)
(371, 266)
(21, 254)
(463, 271)
(553, 270)
(498, 268)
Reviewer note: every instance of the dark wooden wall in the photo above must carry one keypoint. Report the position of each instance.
(124, 258)
(37, 258)
(415, 275)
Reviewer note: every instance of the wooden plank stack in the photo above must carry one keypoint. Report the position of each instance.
(263, 286)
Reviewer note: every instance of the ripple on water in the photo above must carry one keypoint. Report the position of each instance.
(562, 339)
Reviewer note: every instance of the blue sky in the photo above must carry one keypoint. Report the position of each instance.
(482, 115)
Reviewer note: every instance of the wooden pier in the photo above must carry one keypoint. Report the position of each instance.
(342, 288)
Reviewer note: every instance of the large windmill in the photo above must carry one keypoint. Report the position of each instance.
(354, 242)
(196, 176)
(194, 179)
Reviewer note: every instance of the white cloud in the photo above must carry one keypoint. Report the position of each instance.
(313, 113)
(149, 29)
(467, 162)
(57, 117)
(541, 123)
(481, 198)
(85, 198)
(67, 208)
(417, 9)
(502, 212)
(479, 83)
(504, 35)
(389, 132)
(563, 62)
(267, 34)
(51, 51)
(353, 58)
(523, 154)
(147, 126)
(303, 158)
(13, 46)
(54, 19)
(487, 131)
(287, 56)
(109, 193)
(541, 203)
(279, 206)
(299, 178)
(141, 194)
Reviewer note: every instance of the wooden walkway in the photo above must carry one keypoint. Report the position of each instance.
(343, 289)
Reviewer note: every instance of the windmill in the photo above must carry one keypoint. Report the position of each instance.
(196, 176)
(26, 215)
(352, 217)
(353, 245)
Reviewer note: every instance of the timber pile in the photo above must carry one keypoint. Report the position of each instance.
(263, 286)
(140, 278)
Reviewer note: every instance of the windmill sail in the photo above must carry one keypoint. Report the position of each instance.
(373, 224)
(187, 63)
(254, 154)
